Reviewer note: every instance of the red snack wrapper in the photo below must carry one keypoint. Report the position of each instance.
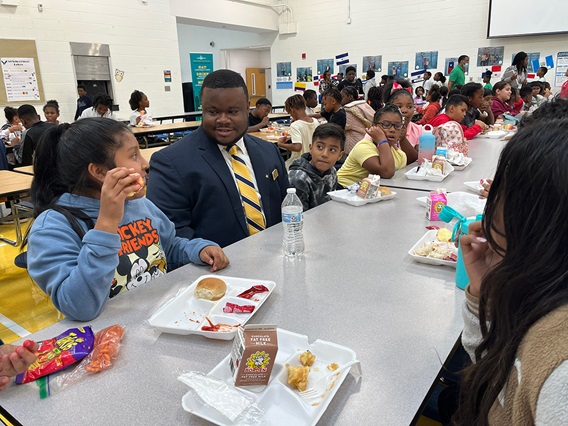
(58, 353)
(247, 294)
(232, 308)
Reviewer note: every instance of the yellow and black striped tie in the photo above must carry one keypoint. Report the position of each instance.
(251, 203)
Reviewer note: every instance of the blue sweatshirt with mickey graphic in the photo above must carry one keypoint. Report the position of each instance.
(81, 275)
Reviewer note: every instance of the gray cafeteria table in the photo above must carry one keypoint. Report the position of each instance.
(485, 154)
(355, 286)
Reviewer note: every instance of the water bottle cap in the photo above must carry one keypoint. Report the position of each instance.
(291, 191)
(428, 128)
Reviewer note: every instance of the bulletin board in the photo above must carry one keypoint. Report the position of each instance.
(23, 53)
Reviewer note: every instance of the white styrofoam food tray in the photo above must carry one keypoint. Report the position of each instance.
(474, 186)
(281, 403)
(460, 167)
(464, 202)
(411, 174)
(185, 314)
(427, 238)
(345, 196)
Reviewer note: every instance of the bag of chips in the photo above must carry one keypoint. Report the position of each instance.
(58, 353)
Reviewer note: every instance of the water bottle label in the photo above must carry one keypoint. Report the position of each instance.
(292, 217)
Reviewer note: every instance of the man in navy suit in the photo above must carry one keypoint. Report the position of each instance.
(193, 182)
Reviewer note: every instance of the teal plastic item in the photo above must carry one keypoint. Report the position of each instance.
(461, 227)
(426, 144)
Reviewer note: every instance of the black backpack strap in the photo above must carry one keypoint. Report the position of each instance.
(72, 214)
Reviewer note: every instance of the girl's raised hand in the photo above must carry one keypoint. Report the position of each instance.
(478, 256)
(119, 184)
(214, 256)
(376, 133)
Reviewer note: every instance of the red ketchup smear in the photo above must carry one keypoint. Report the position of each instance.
(232, 308)
(216, 327)
(247, 294)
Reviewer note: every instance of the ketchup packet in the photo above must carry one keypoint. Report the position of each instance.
(247, 294)
(58, 353)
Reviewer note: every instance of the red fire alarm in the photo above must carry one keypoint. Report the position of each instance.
(303, 56)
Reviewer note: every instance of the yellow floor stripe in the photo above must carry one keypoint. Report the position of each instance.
(21, 300)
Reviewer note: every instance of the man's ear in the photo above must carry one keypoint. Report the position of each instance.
(97, 172)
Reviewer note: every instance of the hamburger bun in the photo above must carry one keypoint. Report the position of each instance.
(210, 289)
(385, 191)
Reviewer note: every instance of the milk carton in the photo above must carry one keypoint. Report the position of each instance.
(370, 187)
(253, 354)
(435, 202)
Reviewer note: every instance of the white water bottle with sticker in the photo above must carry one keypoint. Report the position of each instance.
(293, 221)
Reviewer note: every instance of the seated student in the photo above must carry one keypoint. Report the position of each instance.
(350, 80)
(419, 99)
(564, 88)
(102, 107)
(370, 83)
(540, 73)
(139, 104)
(515, 101)
(258, 117)
(526, 97)
(15, 360)
(51, 111)
(501, 97)
(516, 309)
(313, 174)
(83, 102)
(399, 93)
(375, 97)
(301, 129)
(444, 92)
(311, 98)
(537, 90)
(332, 110)
(89, 203)
(379, 152)
(477, 106)
(456, 109)
(359, 117)
(35, 128)
(11, 127)
(439, 80)
(433, 97)
(487, 80)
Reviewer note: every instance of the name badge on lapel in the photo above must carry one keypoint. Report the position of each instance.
(274, 174)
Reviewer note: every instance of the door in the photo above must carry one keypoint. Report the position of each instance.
(256, 84)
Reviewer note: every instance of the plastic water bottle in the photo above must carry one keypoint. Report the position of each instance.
(426, 144)
(293, 222)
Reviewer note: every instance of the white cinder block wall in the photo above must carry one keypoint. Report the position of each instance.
(142, 39)
(397, 30)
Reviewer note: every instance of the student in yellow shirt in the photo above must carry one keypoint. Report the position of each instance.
(381, 152)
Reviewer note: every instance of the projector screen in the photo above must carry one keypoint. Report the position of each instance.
(526, 17)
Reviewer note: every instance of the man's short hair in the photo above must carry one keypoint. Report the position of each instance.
(370, 74)
(263, 101)
(330, 130)
(224, 79)
(462, 57)
(27, 110)
(350, 68)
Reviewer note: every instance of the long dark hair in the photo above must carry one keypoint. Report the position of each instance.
(531, 280)
(518, 61)
(375, 97)
(64, 153)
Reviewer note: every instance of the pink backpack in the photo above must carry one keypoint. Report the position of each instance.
(451, 135)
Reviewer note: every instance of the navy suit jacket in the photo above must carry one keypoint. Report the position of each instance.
(192, 184)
